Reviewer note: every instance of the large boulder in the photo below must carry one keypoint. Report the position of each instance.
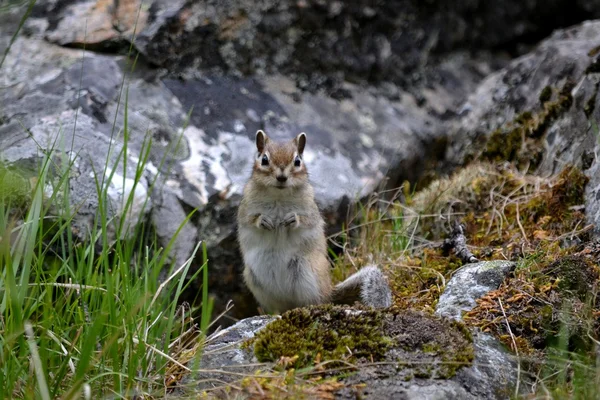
(197, 136)
(422, 354)
(540, 112)
(246, 66)
(319, 43)
(410, 367)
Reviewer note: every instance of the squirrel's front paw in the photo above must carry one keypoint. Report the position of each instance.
(290, 219)
(265, 222)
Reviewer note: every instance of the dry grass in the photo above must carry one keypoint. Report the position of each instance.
(508, 215)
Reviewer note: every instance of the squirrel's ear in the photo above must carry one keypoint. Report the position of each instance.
(300, 142)
(261, 140)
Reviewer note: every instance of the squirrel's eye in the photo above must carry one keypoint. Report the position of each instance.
(297, 161)
(265, 160)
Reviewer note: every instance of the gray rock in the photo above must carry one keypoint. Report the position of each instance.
(202, 161)
(360, 138)
(220, 347)
(492, 363)
(106, 24)
(469, 283)
(223, 358)
(395, 41)
(490, 377)
(69, 138)
(363, 41)
(567, 57)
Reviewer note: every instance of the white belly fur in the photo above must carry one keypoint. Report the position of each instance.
(268, 255)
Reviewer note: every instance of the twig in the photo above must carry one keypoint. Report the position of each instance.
(573, 233)
(514, 342)
(458, 242)
(521, 226)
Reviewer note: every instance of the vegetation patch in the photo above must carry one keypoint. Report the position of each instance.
(507, 215)
(288, 384)
(333, 332)
(421, 345)
(543, 304)
(545, 94)
(551, 302)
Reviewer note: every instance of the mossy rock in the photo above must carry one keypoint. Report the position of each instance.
(335, 333)
(545, 94)
(420, 345)
(546, 306)
(518, 141)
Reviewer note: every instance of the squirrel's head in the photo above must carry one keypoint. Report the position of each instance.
(280, 164)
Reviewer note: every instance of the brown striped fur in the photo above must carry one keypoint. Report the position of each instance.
(282, 238)
(281, 231)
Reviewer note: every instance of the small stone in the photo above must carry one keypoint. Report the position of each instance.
(470, 283)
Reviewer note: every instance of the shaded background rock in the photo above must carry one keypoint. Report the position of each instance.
(322, 43)
(200, 133)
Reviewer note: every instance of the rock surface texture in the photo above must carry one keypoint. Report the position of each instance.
(386, 92)
(493, 363)
(492, 375)
(469, 283)
(541, 111)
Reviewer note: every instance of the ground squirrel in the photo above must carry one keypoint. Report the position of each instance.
(282, 239)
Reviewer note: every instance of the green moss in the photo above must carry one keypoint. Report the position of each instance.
(463, 329)
(504, 145)
(333, 332)
(545, 94)
(569, 189)
(15, 189)
(431, 347)
(420, 344)
(594, 51)
(524, 117)
(519, 140)
(422, 372)
(553, 209)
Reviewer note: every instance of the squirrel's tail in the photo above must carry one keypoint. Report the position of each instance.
(368, 286)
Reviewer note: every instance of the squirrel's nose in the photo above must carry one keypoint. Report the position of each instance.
(282, 178)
